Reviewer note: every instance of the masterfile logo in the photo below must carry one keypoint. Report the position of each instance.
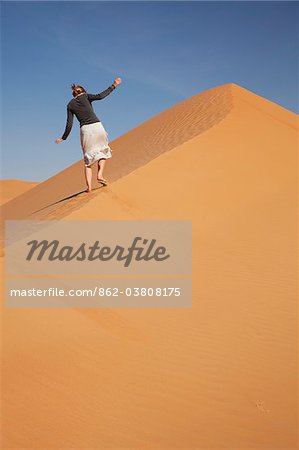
(98, 263)
(140, 250)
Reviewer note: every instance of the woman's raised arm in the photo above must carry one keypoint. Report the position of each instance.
(104, 93)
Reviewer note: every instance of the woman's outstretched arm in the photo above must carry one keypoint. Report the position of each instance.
(104, 93)
(69, 123)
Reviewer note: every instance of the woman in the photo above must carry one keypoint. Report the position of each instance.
(93, 136)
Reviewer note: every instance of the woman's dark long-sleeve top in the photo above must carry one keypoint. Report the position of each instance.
(82, 108)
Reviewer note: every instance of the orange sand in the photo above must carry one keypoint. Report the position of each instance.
(10, 189)
(219, 375)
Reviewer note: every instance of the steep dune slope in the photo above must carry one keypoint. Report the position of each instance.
(219, 375)
(130, 151)
(137, 147)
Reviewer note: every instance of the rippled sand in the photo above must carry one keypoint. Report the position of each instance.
(219, 375)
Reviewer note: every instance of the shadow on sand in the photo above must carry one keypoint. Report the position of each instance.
(65, 199)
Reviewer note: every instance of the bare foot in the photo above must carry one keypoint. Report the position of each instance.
(102, 180)
(88, 190)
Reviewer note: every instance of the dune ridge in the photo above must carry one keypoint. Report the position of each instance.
(165, 131)
(132, 150)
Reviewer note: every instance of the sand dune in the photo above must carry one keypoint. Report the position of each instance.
(10, 189)
(132, 150)
(219, 375)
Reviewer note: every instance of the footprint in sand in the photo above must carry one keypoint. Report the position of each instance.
(260, 406)
(124, 203)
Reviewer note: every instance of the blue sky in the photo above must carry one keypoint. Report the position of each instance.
(165, 52)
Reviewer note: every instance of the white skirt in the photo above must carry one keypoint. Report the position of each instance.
(94, 143)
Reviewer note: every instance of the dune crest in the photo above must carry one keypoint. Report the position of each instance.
(64, 192)
(135, 148)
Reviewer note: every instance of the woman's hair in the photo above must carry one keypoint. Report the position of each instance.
(77, 89)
